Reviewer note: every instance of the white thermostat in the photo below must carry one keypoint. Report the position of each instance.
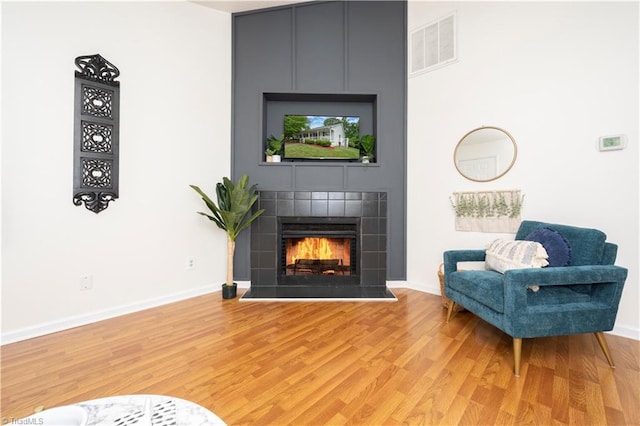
(612, 142)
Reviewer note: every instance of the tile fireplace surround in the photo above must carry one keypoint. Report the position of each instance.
(369, 209)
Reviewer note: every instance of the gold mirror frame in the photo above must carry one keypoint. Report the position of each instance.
(497, 148)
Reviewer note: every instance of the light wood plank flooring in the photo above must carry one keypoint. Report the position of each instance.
(292, 363)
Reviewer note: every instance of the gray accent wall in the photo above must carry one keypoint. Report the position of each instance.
(316, 58)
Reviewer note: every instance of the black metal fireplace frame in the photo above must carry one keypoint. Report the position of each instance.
(327, 227)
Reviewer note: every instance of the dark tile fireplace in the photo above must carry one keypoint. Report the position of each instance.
(319, 244)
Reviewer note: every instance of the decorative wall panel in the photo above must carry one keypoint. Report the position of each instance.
(96, 133)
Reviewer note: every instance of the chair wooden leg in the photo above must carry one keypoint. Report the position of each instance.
(450, 309)
(605, 348)
(517, 354)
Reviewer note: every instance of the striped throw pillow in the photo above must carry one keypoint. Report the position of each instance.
(503, 255)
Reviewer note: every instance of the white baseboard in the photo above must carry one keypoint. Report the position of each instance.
(243, 284)
(79, 320)
(627, 331)
(414, 286)
(621, 330)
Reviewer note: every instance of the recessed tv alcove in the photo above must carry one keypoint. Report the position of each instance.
(276, 106)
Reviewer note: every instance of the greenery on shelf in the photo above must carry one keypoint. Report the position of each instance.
(488, 205)
(274, 145)
(367, 145)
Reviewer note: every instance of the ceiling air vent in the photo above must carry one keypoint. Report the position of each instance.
(433, 45)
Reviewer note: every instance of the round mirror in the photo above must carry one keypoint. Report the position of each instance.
(485, 154)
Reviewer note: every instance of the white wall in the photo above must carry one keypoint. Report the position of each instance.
(174, 59)
(556, 76)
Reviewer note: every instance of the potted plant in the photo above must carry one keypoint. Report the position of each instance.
(367, 146)
(274, 145)
(231, 214)
(269, 154)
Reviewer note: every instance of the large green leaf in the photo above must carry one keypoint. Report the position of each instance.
(212, 206)
(223, 192)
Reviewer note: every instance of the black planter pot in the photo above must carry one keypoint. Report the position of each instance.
(229, 291)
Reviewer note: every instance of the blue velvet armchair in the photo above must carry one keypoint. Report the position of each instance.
(582, 297)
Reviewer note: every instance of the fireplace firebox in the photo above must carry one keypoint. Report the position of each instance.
(322, 250)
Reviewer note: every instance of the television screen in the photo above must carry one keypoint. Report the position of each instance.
(316, 137)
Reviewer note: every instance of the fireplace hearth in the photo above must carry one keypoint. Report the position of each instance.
(319, 245)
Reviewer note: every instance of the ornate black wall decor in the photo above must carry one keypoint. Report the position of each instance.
(96, 133)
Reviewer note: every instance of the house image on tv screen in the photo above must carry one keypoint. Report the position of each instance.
(334, 133)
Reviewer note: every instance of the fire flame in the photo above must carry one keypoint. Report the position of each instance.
(313, 248)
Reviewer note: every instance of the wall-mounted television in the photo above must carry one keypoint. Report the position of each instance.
(320, 137)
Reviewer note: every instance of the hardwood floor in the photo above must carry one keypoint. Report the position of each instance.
(317, 363)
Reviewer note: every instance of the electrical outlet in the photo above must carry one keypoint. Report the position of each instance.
(190, 263)
(86, 282)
